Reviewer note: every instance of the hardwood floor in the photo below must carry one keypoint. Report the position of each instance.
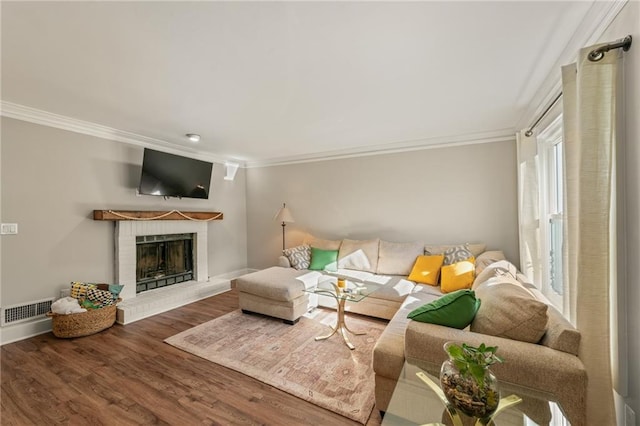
(127, 375)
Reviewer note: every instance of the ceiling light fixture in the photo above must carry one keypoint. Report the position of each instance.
(193, 137)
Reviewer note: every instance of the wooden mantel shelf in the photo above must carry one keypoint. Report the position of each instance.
(155, 215)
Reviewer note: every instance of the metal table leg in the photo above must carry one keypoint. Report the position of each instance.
(341, 326)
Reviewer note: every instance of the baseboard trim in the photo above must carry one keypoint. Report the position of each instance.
(235, 274)
(16, 332)
(216, 285)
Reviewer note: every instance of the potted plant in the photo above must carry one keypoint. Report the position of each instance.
(466, 380)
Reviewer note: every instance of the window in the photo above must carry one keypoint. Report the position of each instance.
(550, 146)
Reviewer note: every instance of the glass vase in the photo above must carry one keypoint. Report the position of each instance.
(463, 391)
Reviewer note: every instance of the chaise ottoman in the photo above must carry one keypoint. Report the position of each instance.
(277, 292)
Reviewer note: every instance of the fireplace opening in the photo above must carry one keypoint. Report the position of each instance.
(163, 260)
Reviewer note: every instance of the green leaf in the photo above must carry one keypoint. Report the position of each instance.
(455, 351)
(473, 361)
(477, 372)
(462, 366)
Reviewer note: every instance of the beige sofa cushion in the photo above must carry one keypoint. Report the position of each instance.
(323, 244)
(487, 258)
(395, 288)
(475, 248)
(561, 335)
(398, 258)
(361, 255)
(388, 353)
(509, 310)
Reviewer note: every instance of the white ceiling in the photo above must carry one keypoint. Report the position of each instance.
(270, 81)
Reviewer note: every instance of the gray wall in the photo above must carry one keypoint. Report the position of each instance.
(628, 22)
(444, 195)
(52, 180)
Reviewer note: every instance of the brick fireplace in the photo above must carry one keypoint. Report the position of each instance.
(162, 283)
(163, 295)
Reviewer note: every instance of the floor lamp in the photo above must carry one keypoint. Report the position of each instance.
(284, 216)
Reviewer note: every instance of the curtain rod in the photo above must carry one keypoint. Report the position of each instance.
(543, 115)
(594, 56)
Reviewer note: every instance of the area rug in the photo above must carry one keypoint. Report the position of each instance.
(325, 373)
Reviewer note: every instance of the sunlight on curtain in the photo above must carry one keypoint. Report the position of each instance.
(589, 115)
(529, 207)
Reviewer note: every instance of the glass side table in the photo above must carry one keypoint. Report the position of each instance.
(418, 400)
(349, 291)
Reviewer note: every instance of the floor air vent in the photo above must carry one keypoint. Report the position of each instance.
(25, 311)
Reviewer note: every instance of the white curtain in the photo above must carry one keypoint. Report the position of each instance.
(529, 206)
(589, 115)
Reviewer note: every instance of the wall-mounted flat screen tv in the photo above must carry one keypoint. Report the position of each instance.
(172, 175)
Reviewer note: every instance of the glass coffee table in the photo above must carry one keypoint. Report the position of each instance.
(352, 291)
(418, 400)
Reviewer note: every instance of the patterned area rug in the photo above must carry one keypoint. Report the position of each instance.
(325, 373)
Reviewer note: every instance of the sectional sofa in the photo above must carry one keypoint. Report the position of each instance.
(540, 347)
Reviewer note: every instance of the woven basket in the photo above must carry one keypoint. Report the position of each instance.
(83, 323)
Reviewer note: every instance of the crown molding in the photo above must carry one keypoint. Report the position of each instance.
(504, 135)
(600, 15)
(37, 116)
(45, 118)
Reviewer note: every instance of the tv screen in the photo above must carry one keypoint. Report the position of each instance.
(171, 175)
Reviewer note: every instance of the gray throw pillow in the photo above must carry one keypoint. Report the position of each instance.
(299, 257)
(456, 254)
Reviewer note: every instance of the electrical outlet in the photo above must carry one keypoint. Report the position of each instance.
(629, 416)
(9, 229)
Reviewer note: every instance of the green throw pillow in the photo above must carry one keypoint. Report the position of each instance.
(456, 309)
(323, 259)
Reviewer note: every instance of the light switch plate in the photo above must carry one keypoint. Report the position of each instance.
(9, 229)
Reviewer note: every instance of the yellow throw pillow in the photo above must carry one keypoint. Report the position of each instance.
(426, 270)
(458, 276)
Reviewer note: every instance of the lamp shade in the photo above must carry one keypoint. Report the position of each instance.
(284, 215)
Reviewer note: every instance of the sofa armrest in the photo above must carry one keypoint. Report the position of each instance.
(532, 367)
(426, 341)
(284, 262)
